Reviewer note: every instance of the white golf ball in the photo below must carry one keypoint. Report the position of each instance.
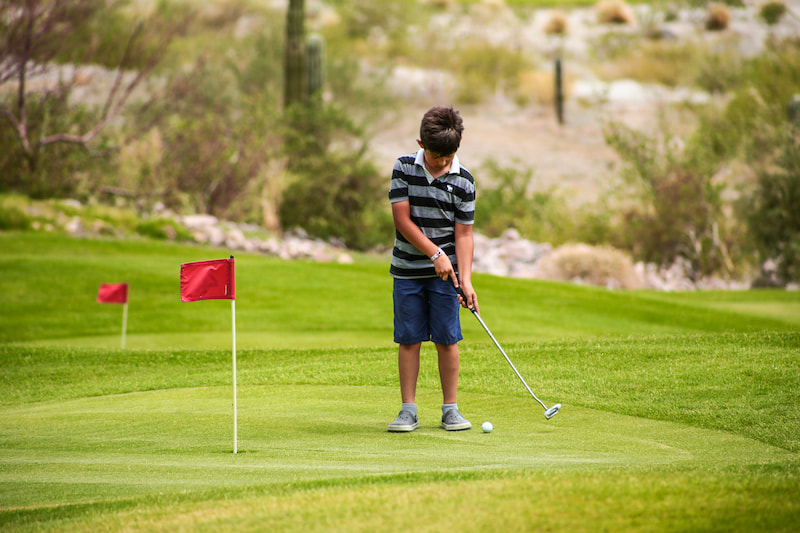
(487, 427)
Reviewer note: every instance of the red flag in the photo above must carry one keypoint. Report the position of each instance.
(112, 293)
(208, 280)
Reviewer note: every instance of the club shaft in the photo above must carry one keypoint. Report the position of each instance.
(507, 359)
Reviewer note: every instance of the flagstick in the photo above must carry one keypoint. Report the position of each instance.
(233, 322)
(124, 322)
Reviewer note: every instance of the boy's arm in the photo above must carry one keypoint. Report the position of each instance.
(464, 250)
(401, 214)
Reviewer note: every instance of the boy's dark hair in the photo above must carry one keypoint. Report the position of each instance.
(440, 130)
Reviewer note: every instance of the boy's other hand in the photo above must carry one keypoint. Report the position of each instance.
(466, 295)
(444, 268)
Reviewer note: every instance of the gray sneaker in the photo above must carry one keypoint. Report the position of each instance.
(405, 421)
(453, 421)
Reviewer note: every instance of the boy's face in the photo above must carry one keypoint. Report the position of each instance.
(437, 163)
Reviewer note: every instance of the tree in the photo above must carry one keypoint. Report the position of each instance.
(33, 33)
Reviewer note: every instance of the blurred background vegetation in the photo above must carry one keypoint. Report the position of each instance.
(229, 108)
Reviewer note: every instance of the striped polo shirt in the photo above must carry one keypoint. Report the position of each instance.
(436, 205)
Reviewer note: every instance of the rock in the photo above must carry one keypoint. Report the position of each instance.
(199, 221)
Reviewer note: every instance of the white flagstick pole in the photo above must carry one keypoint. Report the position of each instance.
(233, 322)
(124, 322)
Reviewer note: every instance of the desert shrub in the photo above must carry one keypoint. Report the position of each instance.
(483, 68)
(772, 12)
(749, 125)
(718, 70)
(613, 46)
(674, 63)
(614, 12)
(56, 170)
(162, 229)
(774, 214)
(102, 34)
(215, 127)
(334, 192)
(13, 218)
(506, 199)
(594, 265)
(676, 209)
(360, 17)
(662, 62)
(705, 3)
(718, 17)
(51, 157)
(340, 197)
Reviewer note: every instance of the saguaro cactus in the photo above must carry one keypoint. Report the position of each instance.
(559, 96)
(294, 88)
(315, 66)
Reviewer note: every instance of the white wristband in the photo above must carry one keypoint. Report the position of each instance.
(438, 254)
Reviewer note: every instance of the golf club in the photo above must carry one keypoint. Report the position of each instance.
(549, 412)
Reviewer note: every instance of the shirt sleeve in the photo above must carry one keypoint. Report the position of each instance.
(398, 191)
(465, 207)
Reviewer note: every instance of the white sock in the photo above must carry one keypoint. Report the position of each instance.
(447, 406)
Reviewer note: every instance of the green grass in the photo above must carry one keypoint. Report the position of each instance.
(680, 409)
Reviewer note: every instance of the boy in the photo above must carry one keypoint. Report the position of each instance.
(433, 207)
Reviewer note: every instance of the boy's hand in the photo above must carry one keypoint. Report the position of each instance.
(444, 268)
(466, 295)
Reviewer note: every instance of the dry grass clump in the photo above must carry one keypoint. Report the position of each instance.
(556, 24)
(494, 4)
(594, 265)
(614, 12)
(718, 17)
(540, 87)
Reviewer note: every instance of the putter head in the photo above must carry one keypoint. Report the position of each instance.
(551, 412)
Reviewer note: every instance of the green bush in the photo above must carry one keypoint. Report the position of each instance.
(749, 126)
(772, 12)
(219, 126)
(162, 229)
(715, 69)
(676, 209)
(339, 197)
(506, 199)
(483, 68)
(775, 210)
(13, 218)
(57, 170)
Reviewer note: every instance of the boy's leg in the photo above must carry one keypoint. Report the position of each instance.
(448, 371)
(445, 333)
(410, 330)
(408, 365)
(448, 374)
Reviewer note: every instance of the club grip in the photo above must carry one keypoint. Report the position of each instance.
(463, 297)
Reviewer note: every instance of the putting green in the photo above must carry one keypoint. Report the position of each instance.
(180, 440)
(275, 340)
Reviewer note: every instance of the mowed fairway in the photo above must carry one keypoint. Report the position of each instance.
(680, 411)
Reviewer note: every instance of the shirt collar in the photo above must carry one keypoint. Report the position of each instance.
(455, 167)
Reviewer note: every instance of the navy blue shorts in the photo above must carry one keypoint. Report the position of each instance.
(426, 310)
